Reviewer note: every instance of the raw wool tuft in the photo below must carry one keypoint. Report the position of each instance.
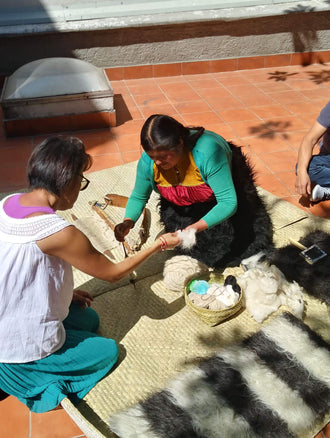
(188, 238)
(266, 289)
(179, 268)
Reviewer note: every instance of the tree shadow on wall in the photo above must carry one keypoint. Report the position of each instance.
(303, 40)
(270, 129)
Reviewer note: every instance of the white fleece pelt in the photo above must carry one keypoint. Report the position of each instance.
(266, 289)
(179, 268)
(275, 384)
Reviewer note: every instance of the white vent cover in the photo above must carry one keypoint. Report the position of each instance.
(56, 86)
(54, 77)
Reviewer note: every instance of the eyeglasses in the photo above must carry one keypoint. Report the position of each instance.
(84, 183)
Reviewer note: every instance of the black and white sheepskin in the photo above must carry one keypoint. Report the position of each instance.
(315, 279)
(275, 384)
(247, 232)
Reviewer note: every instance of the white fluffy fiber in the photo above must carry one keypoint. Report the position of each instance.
(188, 238)
(266, 289)
(178, 269)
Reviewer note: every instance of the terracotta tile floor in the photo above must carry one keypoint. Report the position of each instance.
(267, 111)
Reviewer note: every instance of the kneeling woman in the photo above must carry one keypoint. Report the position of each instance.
(48, 345)
(204, 183)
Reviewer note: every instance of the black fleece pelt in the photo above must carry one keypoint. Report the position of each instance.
(247, 232)
(315, 279)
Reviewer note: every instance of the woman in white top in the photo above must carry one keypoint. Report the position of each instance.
(48, 346)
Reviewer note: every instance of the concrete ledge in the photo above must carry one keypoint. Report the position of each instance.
(181, 39)
(101, 16)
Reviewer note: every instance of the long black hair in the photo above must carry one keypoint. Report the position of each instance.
(163, 132)
(55, 162)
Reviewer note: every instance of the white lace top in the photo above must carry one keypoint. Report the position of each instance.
(35, 289)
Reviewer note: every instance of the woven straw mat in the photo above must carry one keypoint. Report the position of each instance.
(157, 334)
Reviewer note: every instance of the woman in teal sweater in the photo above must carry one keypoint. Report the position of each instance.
(191, 169)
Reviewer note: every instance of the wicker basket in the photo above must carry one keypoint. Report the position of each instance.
(212, 317)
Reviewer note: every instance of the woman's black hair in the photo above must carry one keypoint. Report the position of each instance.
(55, 162)
(163, 132)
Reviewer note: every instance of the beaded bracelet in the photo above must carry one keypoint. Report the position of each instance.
(163, 243)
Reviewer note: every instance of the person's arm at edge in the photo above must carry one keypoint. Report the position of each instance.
(310, 140)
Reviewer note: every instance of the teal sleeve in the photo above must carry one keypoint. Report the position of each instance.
(213, 158)
(142, 189)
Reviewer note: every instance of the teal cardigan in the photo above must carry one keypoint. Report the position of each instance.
(212, 156)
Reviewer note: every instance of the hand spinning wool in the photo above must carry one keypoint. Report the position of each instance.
(206, 184)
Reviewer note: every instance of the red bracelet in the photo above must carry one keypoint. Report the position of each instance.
(163, 243)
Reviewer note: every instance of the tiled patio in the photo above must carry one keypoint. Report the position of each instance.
(267, 111)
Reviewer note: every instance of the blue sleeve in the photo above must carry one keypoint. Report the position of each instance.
(324, 117)
(142, 188)
(213, 158)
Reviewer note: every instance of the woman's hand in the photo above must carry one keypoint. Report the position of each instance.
(82, 298)
(121, 230)
(169, 241)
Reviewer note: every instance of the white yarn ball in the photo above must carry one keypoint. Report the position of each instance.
(180, 267)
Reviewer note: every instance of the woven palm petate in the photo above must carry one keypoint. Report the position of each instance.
(157, 334)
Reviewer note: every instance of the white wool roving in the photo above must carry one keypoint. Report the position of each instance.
(266, 289)
(180, 267)
(260, 293)
(188, 238)
(293, 298)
